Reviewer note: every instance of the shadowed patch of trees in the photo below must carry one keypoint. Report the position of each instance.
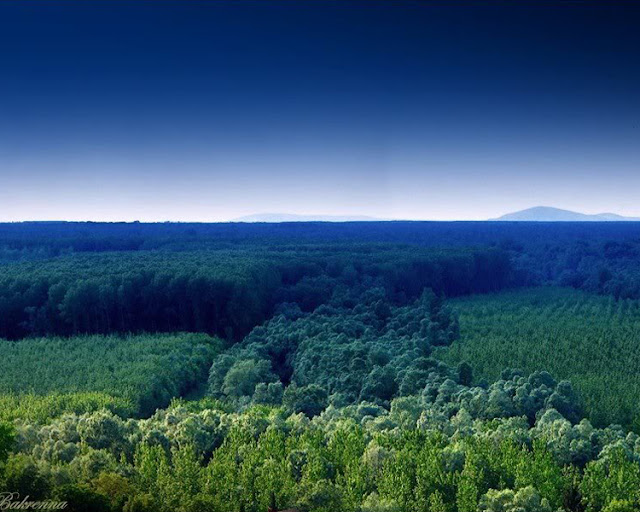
(223, 293)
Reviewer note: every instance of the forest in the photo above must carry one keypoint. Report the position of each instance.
(361, 367)
(590, 340)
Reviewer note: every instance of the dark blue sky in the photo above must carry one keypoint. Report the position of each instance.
(213, 110)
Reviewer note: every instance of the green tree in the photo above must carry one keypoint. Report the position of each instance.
(310, 400)
(7, 436)
(470, 486)
(243, 377)
(81, 498)
(22, 476)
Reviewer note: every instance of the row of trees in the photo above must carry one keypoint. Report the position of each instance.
(607, 266)
(225, 293)
(212, 293)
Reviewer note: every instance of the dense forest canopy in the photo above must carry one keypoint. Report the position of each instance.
(147, 370)
(593, 341)
(142, 236)
(222, 292)
(363, 367)
(598, 257)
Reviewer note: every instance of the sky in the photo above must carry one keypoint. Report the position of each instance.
(209, 111)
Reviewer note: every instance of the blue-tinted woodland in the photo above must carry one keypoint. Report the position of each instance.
(361, 367)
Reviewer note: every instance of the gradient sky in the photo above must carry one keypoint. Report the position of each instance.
(207, 111)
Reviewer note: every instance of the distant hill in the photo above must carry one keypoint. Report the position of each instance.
(290, 217)
(549, 214)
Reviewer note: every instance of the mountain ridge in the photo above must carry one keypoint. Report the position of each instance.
(534, 214)
(551, 214)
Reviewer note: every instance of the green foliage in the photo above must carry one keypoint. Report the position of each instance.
(442, 450)
(310, 400)
(116, 488)
(590, 340)
(470, 484)
(81, 498)
(524, 500)
(44, 408)
(6, 440)
(327, 395)
(214, 292)
(243, 377)
(372, 352)
(23, 476)
(465, 373)
(613, 482)
(146, 370)
(620, 506)
(221, 292)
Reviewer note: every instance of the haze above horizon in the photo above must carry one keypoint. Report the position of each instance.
(195, 111)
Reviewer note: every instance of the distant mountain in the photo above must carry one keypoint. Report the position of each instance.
(290, 217)
(549, 214)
